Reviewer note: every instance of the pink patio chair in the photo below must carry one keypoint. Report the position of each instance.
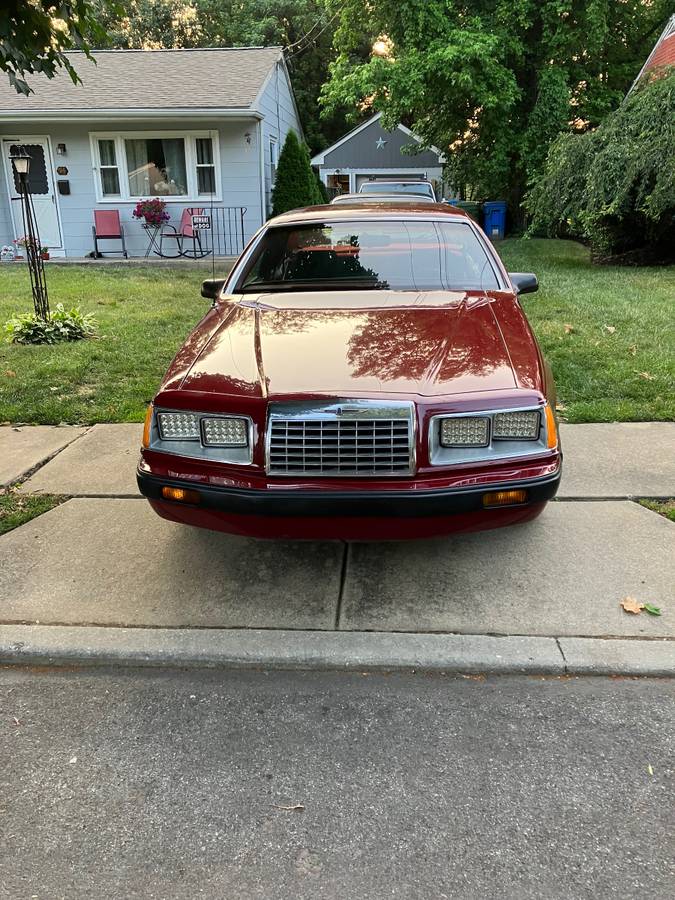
(184, 232)
(107, 227)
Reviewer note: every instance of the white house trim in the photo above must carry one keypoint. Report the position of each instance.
(320, 158)
(421, 171)
(118, 114)
(274, 73)
(188, 137)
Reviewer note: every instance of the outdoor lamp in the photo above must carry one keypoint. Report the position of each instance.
(21, 162)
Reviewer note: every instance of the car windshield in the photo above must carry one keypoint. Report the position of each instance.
(396, 187)
(378, 255)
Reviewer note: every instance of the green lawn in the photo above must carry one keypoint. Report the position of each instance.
(16, 510)
(617, 363)
(609, 334)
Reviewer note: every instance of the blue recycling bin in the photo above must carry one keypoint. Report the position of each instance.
(494, 219)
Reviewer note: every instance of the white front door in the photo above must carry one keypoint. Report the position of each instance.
(41, 186)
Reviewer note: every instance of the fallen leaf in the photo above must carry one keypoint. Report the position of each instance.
(651, 609)
(293, 807)
(72, 761)
(9, 374)
(650, 770)
(631, 605)
(569, 329)
(647, 376)
(610, 329)
(633, 350)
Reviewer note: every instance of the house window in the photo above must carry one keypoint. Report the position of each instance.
(274, 158)
(156, 166)
(110, 176)
(132, 166)
(206, 171)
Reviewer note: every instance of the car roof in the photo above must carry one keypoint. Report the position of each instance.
(397, 181)
(360, 199)
(373, 210)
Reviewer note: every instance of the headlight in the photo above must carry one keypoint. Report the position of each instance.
(516, 426)
(224, 431)
(175, 426)
(465, 431)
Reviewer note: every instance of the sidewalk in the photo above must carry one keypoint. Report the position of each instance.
(101, 578)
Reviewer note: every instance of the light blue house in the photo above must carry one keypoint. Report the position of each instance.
(198, 128)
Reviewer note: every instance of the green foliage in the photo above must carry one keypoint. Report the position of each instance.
(615, 187)
(322, 196)
(491, 82)
(61, 325)
(295, 183)
(34, 37)
(16, 510)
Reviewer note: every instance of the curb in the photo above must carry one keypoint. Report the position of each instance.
(57, 645)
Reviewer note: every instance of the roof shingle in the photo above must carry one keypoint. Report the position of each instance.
(159, 79)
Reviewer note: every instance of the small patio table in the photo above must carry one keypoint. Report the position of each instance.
(153, 246)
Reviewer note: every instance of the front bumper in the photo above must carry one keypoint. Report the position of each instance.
(347, 515)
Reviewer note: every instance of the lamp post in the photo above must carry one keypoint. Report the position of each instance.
(38, 282)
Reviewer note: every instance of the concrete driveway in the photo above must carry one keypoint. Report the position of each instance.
(103, 559)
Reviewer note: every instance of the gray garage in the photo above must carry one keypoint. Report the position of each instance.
(369, 152)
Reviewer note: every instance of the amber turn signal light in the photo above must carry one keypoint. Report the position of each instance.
(551, 432)
(504, 498)
(147, 426)
(181, 495)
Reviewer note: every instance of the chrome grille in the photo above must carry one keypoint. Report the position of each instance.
(359, 438)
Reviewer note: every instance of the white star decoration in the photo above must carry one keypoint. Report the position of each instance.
(379, 143)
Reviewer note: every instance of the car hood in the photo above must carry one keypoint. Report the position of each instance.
(281, 345)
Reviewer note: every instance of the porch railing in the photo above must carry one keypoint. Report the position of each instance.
(226, 236)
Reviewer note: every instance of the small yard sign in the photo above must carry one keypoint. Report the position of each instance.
(201, 223)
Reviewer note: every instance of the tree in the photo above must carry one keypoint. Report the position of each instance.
(35, 36)
(492, 82)
(295, 183)
(302, 26)
(615, 186)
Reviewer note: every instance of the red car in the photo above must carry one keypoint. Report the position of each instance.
(364, 373)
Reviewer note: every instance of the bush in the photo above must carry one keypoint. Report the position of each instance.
(295, 183)
(62, 325)
(615, 186)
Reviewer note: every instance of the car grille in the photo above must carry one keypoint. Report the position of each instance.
(351, 441)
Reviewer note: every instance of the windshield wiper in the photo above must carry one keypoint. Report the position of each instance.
(327, 284)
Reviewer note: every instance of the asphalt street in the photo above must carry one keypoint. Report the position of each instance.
(222, 784)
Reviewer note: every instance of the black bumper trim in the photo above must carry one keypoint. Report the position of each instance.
(395, 504)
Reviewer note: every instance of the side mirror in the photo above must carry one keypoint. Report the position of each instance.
(212, 287)
(524, 282)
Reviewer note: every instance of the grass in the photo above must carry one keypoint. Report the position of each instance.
(16, 510)
(617, 363)
(608, 332)
(665, 508)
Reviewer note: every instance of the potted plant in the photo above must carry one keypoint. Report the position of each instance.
(153, 211)
(44, 252)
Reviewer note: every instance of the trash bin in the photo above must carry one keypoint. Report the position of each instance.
(469, 206)
(494, 219)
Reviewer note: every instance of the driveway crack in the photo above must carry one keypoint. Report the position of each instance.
(562, 653)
